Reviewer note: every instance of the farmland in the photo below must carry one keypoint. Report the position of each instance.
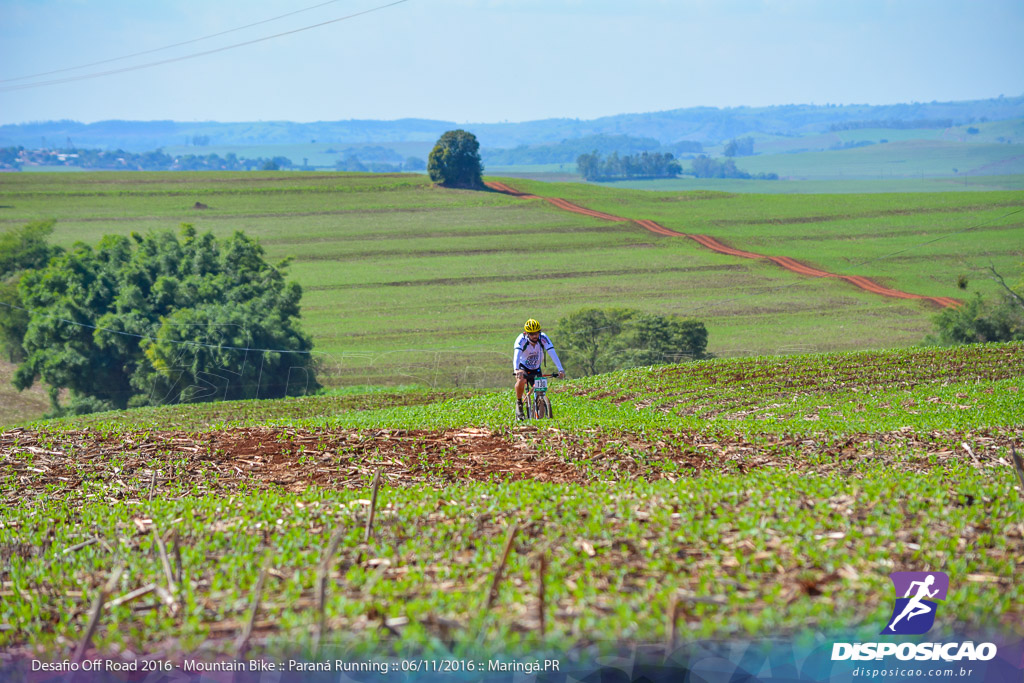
(913, 242)
(744, 496)
(964, 183)
(410, 284)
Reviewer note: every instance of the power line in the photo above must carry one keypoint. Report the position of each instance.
(126, 69)
(166, 47)
(940, 237)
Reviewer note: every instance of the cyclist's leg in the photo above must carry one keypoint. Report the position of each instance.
(520, 390)
(531, 397)
(520, 387)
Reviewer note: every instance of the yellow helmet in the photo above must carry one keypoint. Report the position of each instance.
(531, 326)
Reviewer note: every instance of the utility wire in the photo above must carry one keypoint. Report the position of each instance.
(99, 74)
(940, 237)
(166, 47)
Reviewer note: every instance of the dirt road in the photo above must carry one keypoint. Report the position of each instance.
(715, 245)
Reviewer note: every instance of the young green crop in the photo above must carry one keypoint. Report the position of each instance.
(406, 283)
(616, 556)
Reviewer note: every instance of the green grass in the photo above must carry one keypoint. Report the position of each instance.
(964, 183)
(919, 243)
(19, 406)
(907, 159)
(695, 486)
(617, 555)
(1010, 131)
(411, 284)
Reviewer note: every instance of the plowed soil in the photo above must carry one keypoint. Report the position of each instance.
(140, 464)
(715, 245)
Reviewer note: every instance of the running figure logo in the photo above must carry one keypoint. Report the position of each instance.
(914, 612)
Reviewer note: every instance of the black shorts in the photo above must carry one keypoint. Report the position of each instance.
(531, 374)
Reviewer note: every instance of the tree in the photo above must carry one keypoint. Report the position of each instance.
(596, 340)
(414, 164)
(351, 164)
(659, 339)
(742, 147)
(153, 319)
(21, 249)
(25, 247)
(980, 320)
(455, 161)
(643, 165)
(589, 338)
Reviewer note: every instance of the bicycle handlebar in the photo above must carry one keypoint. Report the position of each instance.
(516, 372)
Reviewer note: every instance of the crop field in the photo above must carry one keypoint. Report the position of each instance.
(1010, 131)
(909, 159)
(410, 284)
(915, 242)
(981, 183)
(315, 154)
(726, 498)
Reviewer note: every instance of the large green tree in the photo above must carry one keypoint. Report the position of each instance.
(21, 249)
(156, 319)
(596, 340)
(455, 161)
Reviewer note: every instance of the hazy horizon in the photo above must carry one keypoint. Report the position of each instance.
(551, 118)
(474, 61)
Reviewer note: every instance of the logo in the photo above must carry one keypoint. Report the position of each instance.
(914, 612)
(912, 615)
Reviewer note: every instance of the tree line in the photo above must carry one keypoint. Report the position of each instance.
(354, 164)
(644, 165)
(120, 160)
(706, 167)
(739, 147)
(598, 340)
(896, 124)
(593, 168)
(568, 150)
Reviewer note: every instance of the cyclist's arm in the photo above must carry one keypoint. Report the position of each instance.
(554, 356)
(515, 357)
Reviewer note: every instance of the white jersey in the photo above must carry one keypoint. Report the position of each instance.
(530, 354)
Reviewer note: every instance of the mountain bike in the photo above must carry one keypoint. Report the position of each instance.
(536, 404)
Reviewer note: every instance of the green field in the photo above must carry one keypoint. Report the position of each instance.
(314, 154)
(1010, 131)
(980, 183)
(910, 159)
(406, 283)
(916, 242)
(755, 497)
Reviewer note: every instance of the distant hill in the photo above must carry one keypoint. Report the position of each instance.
(706, 125)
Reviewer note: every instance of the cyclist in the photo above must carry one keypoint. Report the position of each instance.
(527, 355)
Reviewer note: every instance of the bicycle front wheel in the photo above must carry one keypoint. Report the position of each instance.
(549, 412)
(542, 408)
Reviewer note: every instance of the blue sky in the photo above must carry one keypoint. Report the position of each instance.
(501, 60)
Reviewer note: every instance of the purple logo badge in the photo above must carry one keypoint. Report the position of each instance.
(915, 608)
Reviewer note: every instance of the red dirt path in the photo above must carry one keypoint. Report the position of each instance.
(715, 245)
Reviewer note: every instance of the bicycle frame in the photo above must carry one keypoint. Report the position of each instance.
(533, 393)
